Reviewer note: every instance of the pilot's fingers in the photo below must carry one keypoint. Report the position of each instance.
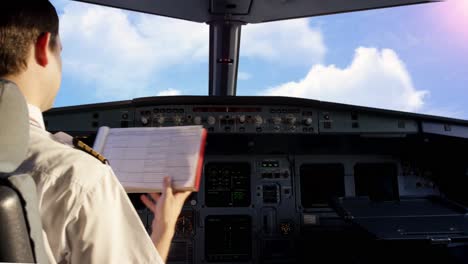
(155, 196)
(148, 203)
(167, 186)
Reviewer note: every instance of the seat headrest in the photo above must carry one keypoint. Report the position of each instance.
(14, 127)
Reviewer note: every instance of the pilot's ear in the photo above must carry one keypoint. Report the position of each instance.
(41, 50)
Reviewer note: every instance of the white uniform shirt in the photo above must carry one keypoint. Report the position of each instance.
(86, 215)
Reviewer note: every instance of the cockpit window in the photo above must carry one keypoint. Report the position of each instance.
(412, 58)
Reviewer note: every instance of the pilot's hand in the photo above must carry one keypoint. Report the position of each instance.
(166, 208)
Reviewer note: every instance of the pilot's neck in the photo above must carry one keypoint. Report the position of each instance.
(35, 113)
(31, 88)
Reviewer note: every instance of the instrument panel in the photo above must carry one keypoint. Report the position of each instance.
(275, 167)
(227, 184)
(269, 119)
(248, 115)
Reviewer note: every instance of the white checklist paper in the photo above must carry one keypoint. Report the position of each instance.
(142, 157)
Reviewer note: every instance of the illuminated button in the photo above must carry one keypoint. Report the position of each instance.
(308, 121)
(211, 120)
(197, 120)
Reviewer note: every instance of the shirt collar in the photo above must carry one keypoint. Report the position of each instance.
(35, 116)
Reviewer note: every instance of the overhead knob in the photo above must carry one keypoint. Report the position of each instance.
(178, 119)
(308, 121)
(144, 120)
(242, 119)
(197, 120)
(160, 120)
(258, 120)
(277, 120)
(291, 120)
(211, 120)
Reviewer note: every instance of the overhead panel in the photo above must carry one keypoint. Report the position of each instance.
(249, 11)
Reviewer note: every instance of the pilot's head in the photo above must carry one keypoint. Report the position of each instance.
(30, 49)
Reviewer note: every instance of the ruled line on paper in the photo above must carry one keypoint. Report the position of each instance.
(144, 156)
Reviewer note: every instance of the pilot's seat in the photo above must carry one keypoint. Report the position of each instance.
(21, 238)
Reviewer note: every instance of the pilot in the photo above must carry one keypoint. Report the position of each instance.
(87, 217)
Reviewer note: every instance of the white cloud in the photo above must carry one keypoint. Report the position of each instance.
(290, 41)
(121, 54)
(169, 92)
(375, 78)
(244, 76)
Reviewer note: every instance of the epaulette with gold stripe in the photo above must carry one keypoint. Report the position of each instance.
(82, 146)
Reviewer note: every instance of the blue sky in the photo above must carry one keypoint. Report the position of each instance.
(412, 58)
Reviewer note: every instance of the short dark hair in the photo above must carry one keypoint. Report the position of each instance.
(22, 22)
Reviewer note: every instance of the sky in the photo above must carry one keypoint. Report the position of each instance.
(411, 58)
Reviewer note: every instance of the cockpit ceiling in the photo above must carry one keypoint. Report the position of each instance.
(249, 11)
